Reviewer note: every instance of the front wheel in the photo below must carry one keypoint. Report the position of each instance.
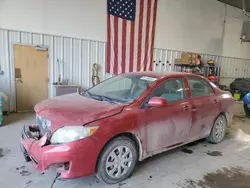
(117, 160)
(219, 130)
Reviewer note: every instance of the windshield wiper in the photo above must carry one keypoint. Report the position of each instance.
(108, 99)
(92, 96)
(101, 98)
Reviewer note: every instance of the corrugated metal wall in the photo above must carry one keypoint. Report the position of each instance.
(231, 68)
(73, 59)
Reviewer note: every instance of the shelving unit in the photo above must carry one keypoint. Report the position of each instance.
(206, 71)
(183, 67)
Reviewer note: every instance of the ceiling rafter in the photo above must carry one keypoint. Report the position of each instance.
(237, 3)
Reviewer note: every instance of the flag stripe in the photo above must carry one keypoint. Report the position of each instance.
(128, 46)
(147, 36)
(153, 37)
(132, 42)
(124, 35)
(108, 46)
(135, 60)
(112, 58)
(143, 34)
(150, 34)
(119, 46)
(115, 45)
(140, 35)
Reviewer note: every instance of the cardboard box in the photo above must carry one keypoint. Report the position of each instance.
(186, 56)
(192, 58)
(182, 62)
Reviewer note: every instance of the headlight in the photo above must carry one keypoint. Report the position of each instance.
(72, 133)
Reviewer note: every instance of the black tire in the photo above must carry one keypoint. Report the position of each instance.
(101, 172)
(213, 138)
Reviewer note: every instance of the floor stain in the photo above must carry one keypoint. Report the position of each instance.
(25, 173)
(233, 177)
(27, 184)
(189, 184)
(22, 167)
(185, 150)
(121, 184)
(150, 177)
(1, 152)
(4, 151)
(215, 153)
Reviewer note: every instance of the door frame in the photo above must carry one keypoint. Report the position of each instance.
(12, 73)
(199, 97)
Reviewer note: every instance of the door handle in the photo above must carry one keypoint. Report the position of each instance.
(216, 101)
(19, 80)
(186, 108)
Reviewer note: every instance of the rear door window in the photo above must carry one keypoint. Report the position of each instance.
(199, 88)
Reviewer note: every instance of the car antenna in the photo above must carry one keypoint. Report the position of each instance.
(57, 175)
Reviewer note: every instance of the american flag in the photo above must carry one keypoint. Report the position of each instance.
(131, 33)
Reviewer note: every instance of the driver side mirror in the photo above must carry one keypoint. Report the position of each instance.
(157, 102)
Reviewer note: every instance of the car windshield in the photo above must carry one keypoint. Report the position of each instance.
(120, 89)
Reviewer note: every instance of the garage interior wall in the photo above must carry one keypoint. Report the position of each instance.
(186, 25)
(71, 58)
(232, 45)
(207, 27)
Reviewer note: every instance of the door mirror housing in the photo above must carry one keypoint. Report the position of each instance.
(157, 102)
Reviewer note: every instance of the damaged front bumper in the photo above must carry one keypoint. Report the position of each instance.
(25, 135)
(71, 158)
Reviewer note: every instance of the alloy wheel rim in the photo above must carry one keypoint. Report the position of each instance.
(119, 162)
(220, 129)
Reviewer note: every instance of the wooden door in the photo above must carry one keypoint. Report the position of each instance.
(31, 73)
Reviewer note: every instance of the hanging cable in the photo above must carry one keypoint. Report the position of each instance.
(95, 74)
(244, 9)
(57, 175)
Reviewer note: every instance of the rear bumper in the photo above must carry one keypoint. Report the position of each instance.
(77, 159)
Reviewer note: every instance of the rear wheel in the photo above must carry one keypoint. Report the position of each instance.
(117, 160)
(219, 130)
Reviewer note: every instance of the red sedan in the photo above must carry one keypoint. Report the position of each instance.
(125, 119)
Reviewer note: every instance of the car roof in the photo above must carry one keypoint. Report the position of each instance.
(160, 74)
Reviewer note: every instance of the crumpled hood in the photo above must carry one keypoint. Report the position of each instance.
(74, 109)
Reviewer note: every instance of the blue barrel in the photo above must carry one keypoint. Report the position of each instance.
(1, 110)
(246, 103)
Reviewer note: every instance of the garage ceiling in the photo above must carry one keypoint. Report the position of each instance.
(237, 3)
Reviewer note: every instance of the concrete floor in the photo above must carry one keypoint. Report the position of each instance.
(201, 164)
